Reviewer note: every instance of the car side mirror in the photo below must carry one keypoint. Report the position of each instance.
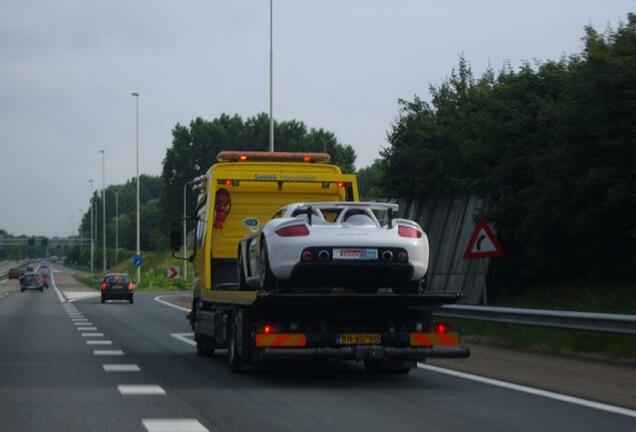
(176, 240)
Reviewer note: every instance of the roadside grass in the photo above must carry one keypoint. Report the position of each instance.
(153, 274)
(546, 340)
(578, 295)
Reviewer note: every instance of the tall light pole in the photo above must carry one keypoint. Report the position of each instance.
(185, 248)
(116, 227)
(81, 227)
(136, 96)
(271, 75)
(103, 152)
(92, 230)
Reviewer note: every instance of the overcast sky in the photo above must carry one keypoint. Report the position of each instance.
(67, 69)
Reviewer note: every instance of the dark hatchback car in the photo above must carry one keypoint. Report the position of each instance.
(117, 286)
(31, 281)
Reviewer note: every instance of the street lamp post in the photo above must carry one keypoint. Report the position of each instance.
(136, 96)
(103, 152)
(271, 75)
(185, 248)
(116, 227)
(92, 231)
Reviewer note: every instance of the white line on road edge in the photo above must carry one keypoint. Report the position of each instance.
(108, 352)
(92, 334)
(158, 299)
(99, 342)
(120, 368)
(86, 328)
(183, 337)
(173, 425)
(57, 291)
(531, 390)
(141, 390)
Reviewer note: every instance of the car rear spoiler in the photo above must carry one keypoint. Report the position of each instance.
(390, 208)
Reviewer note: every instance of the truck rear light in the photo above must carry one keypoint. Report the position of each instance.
(243, 157)
(268, 329)
(104, 286)
(341, 184)
(306, 158)
(441, 328)
(407, 231)
(307, 255)
(293, 231)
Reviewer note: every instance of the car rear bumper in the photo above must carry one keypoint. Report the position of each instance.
(117, 295)
(351, 274)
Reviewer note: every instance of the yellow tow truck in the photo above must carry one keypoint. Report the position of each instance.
(243, 190)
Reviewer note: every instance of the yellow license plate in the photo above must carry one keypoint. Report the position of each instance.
(359, 339)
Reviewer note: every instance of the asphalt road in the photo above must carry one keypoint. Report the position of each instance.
(50, 379)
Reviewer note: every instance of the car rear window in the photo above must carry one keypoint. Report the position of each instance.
(117, 279)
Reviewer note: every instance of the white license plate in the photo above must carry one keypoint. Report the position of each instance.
(355, 254)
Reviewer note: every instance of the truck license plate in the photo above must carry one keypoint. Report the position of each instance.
(359, 339)
(356, 254)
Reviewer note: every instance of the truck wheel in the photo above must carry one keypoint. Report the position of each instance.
(205, 345)
(233, 350)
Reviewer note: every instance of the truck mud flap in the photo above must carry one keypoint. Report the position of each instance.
(364, 353)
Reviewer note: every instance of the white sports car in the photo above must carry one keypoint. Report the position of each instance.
(351, 245)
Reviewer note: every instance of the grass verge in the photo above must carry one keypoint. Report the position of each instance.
(543, 339)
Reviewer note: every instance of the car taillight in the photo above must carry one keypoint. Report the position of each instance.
(104, 285)
(407, 231)
(293, 231)
(130, 286)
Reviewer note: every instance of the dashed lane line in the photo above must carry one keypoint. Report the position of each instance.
(92, 334)
(99, 342)
(173, 425)
(531, 390)
(184, 337)
(108, 352)
(86, 328)
(141, 389)
(116, 367)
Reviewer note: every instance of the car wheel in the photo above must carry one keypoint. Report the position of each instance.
(267, 278)
(131, 300)
(242, 283)
(234, 358)
(21, 289)
(41, 289)
(103, 299)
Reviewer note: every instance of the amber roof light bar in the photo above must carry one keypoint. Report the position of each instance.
(256, 156)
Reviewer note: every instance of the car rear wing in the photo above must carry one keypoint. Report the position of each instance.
(390, 208)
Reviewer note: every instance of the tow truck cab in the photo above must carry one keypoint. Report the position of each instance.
(239, 193)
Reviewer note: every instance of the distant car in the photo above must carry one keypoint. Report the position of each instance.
(14, 273)
(31, 281)
(53, 259)
(46, 276)
(117, 286)
(353, 245)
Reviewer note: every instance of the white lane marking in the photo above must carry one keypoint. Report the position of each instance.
(120, 367)
(173, 425)
(86, 328)
(158, 299)
(80, 295)
(531, 390)
(108, 352)
(184, 337)
(60, 296)
(86, 323)
(79, 319)
(92, 334)
(99, 342)
(141, 389)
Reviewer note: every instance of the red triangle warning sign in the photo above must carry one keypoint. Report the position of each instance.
(483, 243)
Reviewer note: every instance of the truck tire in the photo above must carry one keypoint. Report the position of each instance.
(242, 283)
(205, 345)
(234, 357)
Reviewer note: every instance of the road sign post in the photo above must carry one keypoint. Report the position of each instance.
(138, 260)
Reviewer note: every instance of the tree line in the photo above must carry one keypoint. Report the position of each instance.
(551, 145)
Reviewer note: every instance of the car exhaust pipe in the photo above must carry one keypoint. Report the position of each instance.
(324, 255)
(387, 256)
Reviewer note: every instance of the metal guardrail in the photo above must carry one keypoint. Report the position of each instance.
(601, 322)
